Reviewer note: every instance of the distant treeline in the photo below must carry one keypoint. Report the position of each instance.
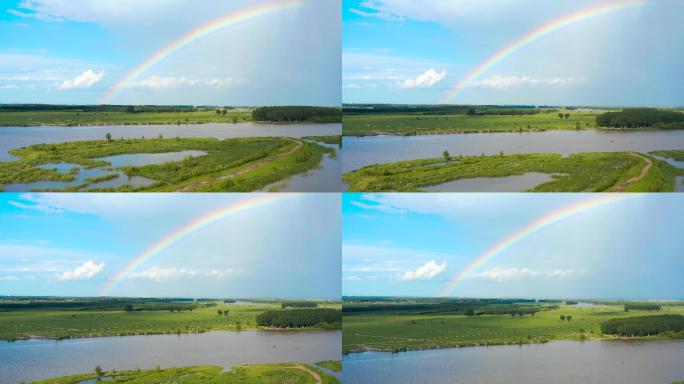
(440, 109)
(83, 304)
(298, 304)
(290, 114)
(172, 307)
(468, 307)
(95, 108)
(643, 325)
(641, 118)
(642, 307)
(298, 318)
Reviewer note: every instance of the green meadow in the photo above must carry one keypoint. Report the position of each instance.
(230, 165)
(582, 172)
(433, 124)
(396, 331)
(76, 322)
(292, 373)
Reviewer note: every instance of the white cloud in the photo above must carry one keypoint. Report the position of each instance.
(33, 15)
(425, 272)
(9, 87)
(504, 82)
(95, 10)
(351, 86)
(351, 278)
(158, 274)
(377, 207)
(84, 272)
(432, 10)
(85, 80)
(425, 80)
(378, 14)
(159, 83)
(8, 278)
(506, 274)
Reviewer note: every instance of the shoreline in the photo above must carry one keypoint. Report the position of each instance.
(483, 131)
(63, 125)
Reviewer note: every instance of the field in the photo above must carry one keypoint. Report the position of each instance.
(427, 124)
(396, 331)
(231, 165)
(293, 373)
(76, 117)
(107, 320)
(594, 172)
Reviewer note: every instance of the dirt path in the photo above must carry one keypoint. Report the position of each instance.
(242, 171)
(315, 375)
(620, 187)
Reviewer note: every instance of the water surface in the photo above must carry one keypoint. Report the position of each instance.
(361, 151)
(514, 183)
(588, 362)
(38, 359)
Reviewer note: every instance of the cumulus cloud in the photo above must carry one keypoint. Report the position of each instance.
(425, 80)
(425, 272)
(160, 83)
(503, 82)
(85, 80)
(84, 272)
(506, 274)
(158, 274)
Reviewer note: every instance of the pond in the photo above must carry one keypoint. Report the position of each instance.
(361, 151)
(515, 183)
(325, 178)
(588, 362)
(17, 137)
(138, 159)
(29, 360)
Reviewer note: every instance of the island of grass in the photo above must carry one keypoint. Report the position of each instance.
(293, 373)
(582, 172)
(83, 115)
(333, 365)
(393, 325)
(64, 318)
(407, 120)
(330, 139)
(230, 165)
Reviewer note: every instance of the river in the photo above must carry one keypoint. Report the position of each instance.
(36, 359)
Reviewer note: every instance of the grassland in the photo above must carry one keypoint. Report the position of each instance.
(333, 365)
(677, 155)
(331, 139)
(16, 324)
(409, 124)
(231, 165)
(385, 331)
(292, 373)
(76, 117)
(583, 172)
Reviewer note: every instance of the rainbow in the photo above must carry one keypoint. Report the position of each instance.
(535, 34)
(192, 227)
(532, 227)
(196, 34)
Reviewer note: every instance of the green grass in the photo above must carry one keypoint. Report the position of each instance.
(59, 324)
(595, 172)
(333, 365)
(396, 332)
(330, 139)
(418, 124)
(291, 373)
(677, 155)
(70, 118)
(265, 160)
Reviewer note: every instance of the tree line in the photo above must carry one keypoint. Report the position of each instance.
(643, 325)
(641, 118)
(293, 114)
(642, 307)
(298, 304)
(298, 318)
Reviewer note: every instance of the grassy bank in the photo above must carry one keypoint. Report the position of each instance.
(594, 172)
(331, 139)
(77, 322)
(677, 155)
(421, 124)
(85, 117)
(333, 365)
(401, 331)
(294, 373)
(241, 164)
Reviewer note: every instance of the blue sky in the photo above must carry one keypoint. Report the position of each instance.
(72, 244)
(71, 52)
(413, 244)
(632, 57)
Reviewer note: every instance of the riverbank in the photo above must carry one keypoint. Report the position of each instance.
(236, 165)
(594, 172)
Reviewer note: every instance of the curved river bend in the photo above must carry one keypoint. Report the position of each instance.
(37, 359)
(588, 362)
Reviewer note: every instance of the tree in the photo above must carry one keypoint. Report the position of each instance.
(108, 136)
(98, 372)
(130, 109)
(224, 112)
(470, 312)
(218, 112)
(225, 313)
(560, 115)
(238, 326)
(562, 317)
(567, 115)
(447, 157)
(568, 317)
(128, 308)
(219, 312)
